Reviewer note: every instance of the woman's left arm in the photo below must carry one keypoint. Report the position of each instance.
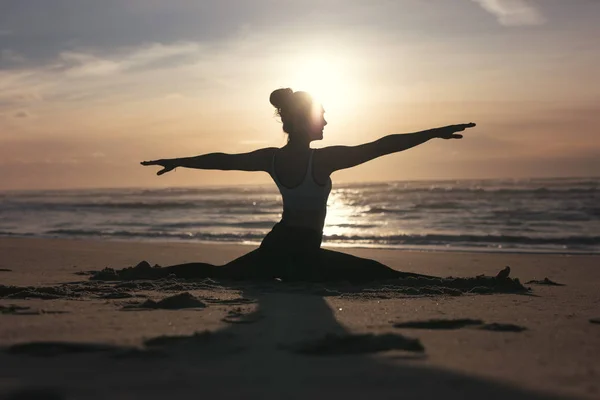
(341, 157)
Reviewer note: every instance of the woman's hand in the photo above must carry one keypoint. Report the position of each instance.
(167, 164)
(449, 132)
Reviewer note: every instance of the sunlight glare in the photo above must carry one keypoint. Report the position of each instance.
(340, 216)
(327, 80)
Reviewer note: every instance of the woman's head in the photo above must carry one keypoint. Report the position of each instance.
(302, 119)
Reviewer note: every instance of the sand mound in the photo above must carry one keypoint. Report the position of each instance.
(496, 327)
(545, 281)
(177, 302)
(333, 344)
(237, 316)
(450, 324)
(142, 275)
(52, 349)
(439, 324)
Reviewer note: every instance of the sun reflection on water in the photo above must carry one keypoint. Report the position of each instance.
(342, 216)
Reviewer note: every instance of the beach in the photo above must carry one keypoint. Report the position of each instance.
(299, 200)
(298, 341)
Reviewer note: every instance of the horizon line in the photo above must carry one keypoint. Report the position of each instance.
(234, 185)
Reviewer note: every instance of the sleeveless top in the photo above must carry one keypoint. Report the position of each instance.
(304, 205)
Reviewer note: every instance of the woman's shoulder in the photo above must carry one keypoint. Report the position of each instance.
(266, 151)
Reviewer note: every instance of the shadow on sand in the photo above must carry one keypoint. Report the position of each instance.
(290, 346)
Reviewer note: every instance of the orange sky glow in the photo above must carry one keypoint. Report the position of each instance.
(87, 92)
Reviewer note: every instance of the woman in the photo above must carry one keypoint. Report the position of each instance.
(292, 250)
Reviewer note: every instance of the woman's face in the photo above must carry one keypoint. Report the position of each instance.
(316, 123)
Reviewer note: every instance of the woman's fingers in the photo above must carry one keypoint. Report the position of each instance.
(165, 170)
(462, 127)
(162, 163)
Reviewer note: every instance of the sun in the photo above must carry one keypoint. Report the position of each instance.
(326, 79)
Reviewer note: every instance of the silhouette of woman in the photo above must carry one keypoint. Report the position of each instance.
(292, 249)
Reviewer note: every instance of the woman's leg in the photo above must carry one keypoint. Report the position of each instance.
(145, 271)
(195, 270)
(253, 265)
(257, 265)
(334, 265)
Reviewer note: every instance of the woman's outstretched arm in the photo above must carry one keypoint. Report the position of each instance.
(341, 157)
(258, 160)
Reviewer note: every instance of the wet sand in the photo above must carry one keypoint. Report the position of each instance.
(66, 337)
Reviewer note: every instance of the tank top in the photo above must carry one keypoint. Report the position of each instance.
(304, 205)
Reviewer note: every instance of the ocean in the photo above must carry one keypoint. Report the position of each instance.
(516, 215)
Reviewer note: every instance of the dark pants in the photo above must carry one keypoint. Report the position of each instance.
(292, 254)
(295, 254)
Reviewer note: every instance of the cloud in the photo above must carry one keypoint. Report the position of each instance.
(21, 114)
(85, 64)
(513, 12)
(11, 56)
(85, 74)
(21, 88)
(82, 64)
(40, 29)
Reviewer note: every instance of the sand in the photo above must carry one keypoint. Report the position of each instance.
(65, 337)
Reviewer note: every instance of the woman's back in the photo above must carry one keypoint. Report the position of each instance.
(304, 191)
(291, 166)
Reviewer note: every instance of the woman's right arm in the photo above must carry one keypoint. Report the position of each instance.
(258, 160)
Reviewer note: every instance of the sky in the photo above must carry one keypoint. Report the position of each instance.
(89, 88)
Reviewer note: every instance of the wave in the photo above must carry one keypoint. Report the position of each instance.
(11, 233)
(443, 239)
(355, 226)
(538, 192)
(425, 239)
(559, 213)
(247, 207)
(240, 224)
(574, 215)
(219, 237)
(486, 215)
(536, 186)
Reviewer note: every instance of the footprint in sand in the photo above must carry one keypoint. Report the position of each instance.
(206, 342)
(52, 349)
(36, 394)
(19, 310)
(495, 327)
(161, 346)
(13, 309)
(448, 324)
(84, 273)
(335, 345)
(544, 281)
(177, 302)
(240, 301)
(42, 292)
(237, 316)
(445, 324)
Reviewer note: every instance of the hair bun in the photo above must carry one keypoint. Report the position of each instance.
(280, 98)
